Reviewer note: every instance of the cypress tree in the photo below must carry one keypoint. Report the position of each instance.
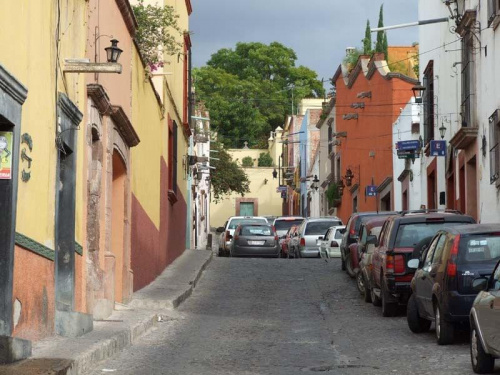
(385, 47)
(367, 41)
(379, 47)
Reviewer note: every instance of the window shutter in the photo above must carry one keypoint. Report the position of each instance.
(494, 122)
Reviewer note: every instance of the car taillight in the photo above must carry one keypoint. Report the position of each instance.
(389, 264)
(352, 232)
(334, 244)
(399, 263)
(228, 235)
(451, 268)
(302, 242)
(236, 237)
(276, 238)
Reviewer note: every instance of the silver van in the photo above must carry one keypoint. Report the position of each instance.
(310, 231)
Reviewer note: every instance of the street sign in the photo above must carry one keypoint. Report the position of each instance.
(408, 145)
(408, 154)
(371, 191)
(438, 148)
(281, 188)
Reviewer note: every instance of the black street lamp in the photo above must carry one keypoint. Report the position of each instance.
(442, 130)
(113, 52)
(418, 91)
(275, 174)
(348, 177)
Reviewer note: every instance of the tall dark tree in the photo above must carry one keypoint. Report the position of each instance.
(367, 40)
(248, 90)
(381, 45)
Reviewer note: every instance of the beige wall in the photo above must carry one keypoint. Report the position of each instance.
(269, 201)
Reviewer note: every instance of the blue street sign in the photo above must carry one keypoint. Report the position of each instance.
(438, 148)
(371, 191)
(408, 145)
(281, 188)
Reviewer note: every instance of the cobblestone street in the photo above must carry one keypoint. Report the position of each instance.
(278, 316)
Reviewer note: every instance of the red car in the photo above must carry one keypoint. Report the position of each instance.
(286, 243)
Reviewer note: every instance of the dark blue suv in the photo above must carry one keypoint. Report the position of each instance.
(442, 288)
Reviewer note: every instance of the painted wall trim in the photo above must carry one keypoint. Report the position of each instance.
(36, 247)
(12, 86)
(124, 126)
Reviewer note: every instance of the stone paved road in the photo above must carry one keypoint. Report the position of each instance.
(278, 316)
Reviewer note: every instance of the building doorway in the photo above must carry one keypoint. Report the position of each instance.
(118, 223)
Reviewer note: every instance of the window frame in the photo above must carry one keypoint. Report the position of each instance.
(494, 151)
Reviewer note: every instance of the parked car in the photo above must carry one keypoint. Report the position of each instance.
(353, 256)
(369, 233)
(287, 244)
(352, 229)
(329, 246)
(485, 323)
(284, 223)
(442, 286)
(252, 239)
(270, 219)
(310, 231)
(391, 277)
(227, 231)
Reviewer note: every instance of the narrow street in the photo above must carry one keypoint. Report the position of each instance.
(277, 316)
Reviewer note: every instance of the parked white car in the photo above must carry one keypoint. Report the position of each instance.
(329, 246)
(227, 231)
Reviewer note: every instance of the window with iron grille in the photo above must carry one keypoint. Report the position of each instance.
(494, 122)
(428, 102)
(467, 79)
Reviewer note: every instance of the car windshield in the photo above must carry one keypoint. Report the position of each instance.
(256, 230)
(319, 227)
(233, 224)
(411, 234)
(482, 247)
(283, 224)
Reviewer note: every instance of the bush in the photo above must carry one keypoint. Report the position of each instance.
(265, 160)
(332, 193)
(247, 161)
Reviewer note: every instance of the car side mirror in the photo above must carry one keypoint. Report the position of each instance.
(321, 238)
(220, 229)
(371, 239)
(413, 263)
(479, 284)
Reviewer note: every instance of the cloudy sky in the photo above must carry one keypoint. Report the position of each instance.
(317, 30)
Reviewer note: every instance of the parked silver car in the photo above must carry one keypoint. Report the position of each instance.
(255, 240)
(227, 231)
(485, 323)
(310, 231)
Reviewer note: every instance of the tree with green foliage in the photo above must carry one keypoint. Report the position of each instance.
(157, 32)
(352, 58)
(247, 161)
(381, 45)
(227, 177)
(367, 40)
(250, 89)
(265, 160)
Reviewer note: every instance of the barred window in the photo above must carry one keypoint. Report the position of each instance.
(494, 122)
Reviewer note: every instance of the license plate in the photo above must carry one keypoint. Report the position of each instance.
(260, 243)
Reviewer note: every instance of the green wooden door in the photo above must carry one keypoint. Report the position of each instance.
(246, 209)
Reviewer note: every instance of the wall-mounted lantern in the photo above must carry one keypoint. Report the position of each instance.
(85, 66)
(341, 187)
(275, 173)
(418, 91)
(348, 177)
(442, 130)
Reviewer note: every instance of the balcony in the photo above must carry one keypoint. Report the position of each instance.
(464, 137)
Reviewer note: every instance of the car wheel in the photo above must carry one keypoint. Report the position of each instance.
(482, 362)
(445, 331)
(375, 299)
(360, 282)
(415, 322)
(348, 267)
(388, 308)
(367, 293)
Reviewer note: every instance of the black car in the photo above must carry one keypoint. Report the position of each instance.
(442, 289)
(255, 240)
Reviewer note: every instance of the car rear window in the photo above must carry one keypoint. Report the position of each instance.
(338, 234)
(320, 227)
(284, 224)
(479, 248)
(410, 234)
(233, 224)
(256, 230)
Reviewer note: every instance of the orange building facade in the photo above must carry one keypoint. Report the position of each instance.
(368, 101)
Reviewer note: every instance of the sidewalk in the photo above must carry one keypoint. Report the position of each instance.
(75, 356)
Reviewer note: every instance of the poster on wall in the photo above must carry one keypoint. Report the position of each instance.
(5, 155)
